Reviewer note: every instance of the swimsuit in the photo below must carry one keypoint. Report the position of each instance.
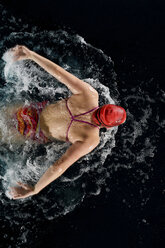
(26, 121)
(73, 119)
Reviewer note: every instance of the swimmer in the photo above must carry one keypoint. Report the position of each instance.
(76, 120)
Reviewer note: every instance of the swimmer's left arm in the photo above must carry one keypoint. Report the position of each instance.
(74, 153)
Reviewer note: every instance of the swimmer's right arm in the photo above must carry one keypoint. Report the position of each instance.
(76, 85)
(73, 153)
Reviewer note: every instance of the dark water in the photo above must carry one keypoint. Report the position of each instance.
(115, 198)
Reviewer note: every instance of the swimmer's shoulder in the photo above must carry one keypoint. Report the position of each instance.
(88, 144)
(91, 138)
(91, 99)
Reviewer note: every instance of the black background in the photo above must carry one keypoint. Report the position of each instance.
(130, 31)
(121, 28)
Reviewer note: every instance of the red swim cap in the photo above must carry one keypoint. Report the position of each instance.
(109, 115)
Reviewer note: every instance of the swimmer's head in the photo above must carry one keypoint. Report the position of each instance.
(109, 115)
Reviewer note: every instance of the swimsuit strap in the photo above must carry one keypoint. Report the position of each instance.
(86, 112)
(73, 119)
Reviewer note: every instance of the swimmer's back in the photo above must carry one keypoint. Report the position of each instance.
(55, 118)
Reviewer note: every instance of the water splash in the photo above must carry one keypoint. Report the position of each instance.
(24, 81)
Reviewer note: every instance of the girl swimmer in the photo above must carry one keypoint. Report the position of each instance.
(76, 120)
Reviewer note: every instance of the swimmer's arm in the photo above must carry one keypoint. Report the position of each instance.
(73, 153)
(76, 85)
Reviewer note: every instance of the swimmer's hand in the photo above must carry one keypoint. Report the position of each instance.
(20, 53)
(22, 192)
